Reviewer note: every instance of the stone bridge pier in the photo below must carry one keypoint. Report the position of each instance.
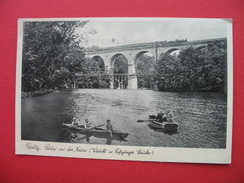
(109, 68)
(132, 78)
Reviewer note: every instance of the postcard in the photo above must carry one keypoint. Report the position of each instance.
(137, 89)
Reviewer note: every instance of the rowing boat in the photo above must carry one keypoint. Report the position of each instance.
(97, 132)
(166, 126)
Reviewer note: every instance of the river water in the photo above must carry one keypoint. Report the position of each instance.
(201, 116)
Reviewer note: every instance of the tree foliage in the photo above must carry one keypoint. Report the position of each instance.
(51, 54)
(145, 71)
(194, 69)
(94, 75)
(120, 65)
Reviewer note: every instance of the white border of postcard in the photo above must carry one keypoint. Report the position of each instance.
(134, 153)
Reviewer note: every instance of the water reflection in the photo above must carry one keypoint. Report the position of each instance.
(172, 132)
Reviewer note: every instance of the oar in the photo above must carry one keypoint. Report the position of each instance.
(141, 120)
(93, 127)
(152, 118)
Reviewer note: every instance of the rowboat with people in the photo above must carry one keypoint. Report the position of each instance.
(97, 132)
(162, 122)
(168, 126)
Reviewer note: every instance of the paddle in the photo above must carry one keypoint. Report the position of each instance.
(93, 127)
(152, 118)
(141, 120)
(99, 126)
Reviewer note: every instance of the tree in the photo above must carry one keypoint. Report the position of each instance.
(145, 71)
(49, 49)
(194, 69)
(120, 65)
(168, 73)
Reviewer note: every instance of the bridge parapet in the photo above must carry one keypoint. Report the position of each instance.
(156, 44)
(103, 74)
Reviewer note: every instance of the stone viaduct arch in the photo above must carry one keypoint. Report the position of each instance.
(133, 51)
(100, 62)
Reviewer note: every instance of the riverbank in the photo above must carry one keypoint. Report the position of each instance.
(46, 91)
(35, 93)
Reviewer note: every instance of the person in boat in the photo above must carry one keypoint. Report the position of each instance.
(87, 125)
(109, 128)
(161, 117)
(170, 117)
(74, 121)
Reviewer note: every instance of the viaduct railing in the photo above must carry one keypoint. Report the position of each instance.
(152, 45)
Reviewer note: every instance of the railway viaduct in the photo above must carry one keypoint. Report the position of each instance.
(133, 51)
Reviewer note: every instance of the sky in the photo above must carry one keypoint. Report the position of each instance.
(121, 31)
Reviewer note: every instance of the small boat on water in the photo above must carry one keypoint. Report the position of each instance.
(97, 132)
(166, 126)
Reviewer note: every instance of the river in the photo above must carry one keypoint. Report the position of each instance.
(201, 116)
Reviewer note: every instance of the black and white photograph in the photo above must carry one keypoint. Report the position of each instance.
(142, 89)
